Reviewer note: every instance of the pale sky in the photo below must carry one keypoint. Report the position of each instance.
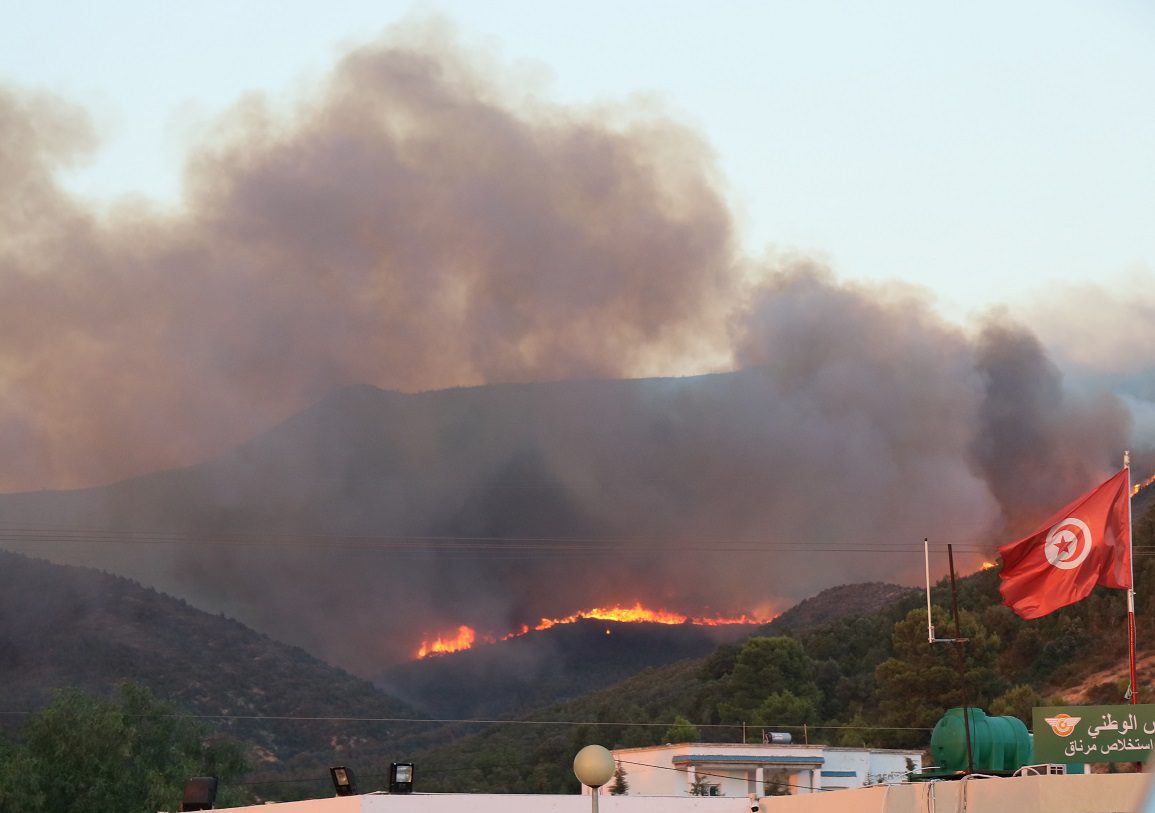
(986, 150)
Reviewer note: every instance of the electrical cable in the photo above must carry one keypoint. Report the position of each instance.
(465, 721)
(29, 535)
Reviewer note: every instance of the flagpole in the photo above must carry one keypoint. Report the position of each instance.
(1131, 588)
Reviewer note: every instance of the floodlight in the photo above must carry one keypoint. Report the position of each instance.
(344, 782)
(200, 793)
(401, 777)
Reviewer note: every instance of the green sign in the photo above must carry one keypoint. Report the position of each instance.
(1094, 733)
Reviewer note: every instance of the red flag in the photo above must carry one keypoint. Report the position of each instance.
(1086, 543)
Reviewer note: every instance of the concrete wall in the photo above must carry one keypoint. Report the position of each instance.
(506, 803)
(1092, 793)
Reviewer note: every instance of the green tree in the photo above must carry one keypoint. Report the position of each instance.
(1017, 702)
(619, 787)
(922, 680)
(785, 709)
(682, 731)
(702, 786)
(768, 670)
(81, 754)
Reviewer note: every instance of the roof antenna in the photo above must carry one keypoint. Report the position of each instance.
(929, 616)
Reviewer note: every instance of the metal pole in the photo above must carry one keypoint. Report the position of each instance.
(1131, 588)
(926, 562)
(961, 661)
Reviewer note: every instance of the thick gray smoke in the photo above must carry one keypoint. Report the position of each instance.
(419, 223)
(412, 224)
(1034, 438)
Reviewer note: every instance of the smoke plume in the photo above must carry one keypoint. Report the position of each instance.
(413, 224)
(419, 222)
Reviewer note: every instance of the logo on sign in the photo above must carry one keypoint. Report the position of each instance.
(1062, 724)
(1068, 544)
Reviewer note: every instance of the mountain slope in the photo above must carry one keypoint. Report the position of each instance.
(75, 627)
(528, 672)
(375, 520)
(515, 677)
(834, 603)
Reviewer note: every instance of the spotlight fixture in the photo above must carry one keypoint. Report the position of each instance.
(200, 793)
(344, 782)
(401, 777)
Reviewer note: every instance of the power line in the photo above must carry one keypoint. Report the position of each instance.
(475, 721)
(27, 535)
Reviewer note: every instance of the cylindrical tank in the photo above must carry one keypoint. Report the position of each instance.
(998, 744)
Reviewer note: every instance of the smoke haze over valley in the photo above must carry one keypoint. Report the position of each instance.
(421, 348)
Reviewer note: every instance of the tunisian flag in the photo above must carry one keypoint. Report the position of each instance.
(1086, 543)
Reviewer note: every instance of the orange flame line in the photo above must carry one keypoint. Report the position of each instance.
(466, 636)
(440, 646)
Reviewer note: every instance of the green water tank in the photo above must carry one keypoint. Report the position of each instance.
(998, 744)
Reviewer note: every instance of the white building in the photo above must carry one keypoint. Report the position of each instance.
(726, 769)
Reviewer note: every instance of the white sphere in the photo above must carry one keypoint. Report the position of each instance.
(594, 766)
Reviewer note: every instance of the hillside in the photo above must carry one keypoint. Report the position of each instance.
(541, 668)
(75, 627)
(520, 675)
(63, 626)
(849, 678)
(835, 603)
(374, 520)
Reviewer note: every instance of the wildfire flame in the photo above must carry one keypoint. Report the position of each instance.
(1137, 487)
(440, 646)
(988, 565)
(639, 614)
(467, 636)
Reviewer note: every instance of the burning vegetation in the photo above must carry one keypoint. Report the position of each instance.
(465, 636)
(1141, 485)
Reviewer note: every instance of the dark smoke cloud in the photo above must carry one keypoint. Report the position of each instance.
(413, 225)
(420, 222)
(1034, 437)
